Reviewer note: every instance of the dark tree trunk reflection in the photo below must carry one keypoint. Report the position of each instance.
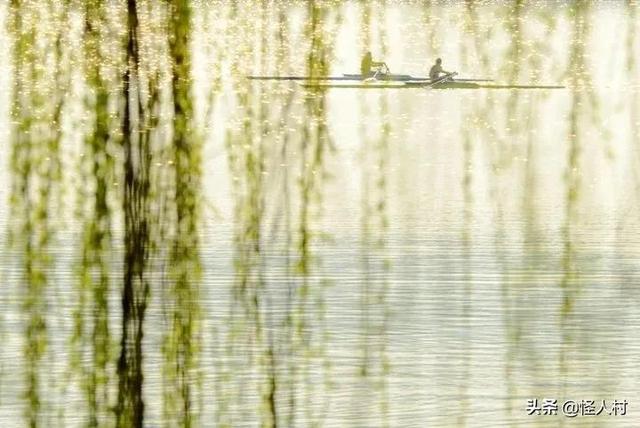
(130, 407)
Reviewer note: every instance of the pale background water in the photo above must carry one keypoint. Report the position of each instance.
(455, 253)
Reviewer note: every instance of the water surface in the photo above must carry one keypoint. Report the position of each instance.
(183, 247)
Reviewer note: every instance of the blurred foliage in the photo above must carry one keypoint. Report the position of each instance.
(129, 89)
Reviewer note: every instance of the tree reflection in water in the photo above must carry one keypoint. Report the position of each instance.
(114, 107)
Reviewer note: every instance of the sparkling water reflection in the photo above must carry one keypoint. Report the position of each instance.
(184, 247)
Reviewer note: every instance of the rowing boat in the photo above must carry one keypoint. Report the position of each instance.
(405, 78)
(396, 81)
(380, 77)
(454, 84)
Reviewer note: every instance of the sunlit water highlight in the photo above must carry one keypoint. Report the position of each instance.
(348, 258)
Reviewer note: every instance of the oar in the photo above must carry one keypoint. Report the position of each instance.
(374, 77)
(441, 80)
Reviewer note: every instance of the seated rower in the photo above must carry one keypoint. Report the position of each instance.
(436, 70)
(368, 64)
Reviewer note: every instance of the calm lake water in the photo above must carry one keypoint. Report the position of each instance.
(184, 247)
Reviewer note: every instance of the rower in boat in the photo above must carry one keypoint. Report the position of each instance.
(367, 65)
(436, 70)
